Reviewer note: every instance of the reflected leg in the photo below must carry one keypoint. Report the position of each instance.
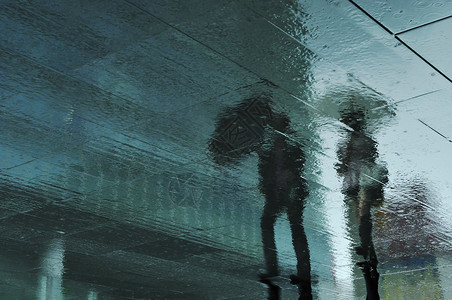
(274, 291)
(300, 243)
(268, 219)
(365, 234)
(371, 277)
(367, 250)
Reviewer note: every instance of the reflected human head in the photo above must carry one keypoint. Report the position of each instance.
(280, 122)
(354, 118)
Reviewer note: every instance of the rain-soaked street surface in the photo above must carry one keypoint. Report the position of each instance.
(247, 149)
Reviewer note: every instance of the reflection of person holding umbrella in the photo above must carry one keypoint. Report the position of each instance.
(362, 187)
(281, 163)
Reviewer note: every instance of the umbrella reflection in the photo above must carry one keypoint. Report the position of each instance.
(363, 181)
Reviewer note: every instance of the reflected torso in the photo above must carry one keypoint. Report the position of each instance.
(280, 169)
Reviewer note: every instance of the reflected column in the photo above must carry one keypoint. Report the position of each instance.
(51, 276)
(92, 295)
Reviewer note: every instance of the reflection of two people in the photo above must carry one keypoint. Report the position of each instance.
(254, 126)
(363, 181)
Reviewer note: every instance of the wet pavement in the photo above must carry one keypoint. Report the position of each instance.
(225, 150)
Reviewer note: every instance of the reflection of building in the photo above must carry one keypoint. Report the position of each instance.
(402, 225)
(404, 241)
(419, 281)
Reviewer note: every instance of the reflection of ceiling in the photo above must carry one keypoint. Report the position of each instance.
(400, 16)
(419, 25)
(107, 108)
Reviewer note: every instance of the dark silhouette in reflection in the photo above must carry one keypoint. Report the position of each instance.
(240, 130)
(254, 126)
(363, 188)
(274, 291)
(281, 163)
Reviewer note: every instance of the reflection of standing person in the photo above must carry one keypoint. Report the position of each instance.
(254, 126)
(363, 188)
(281, 165)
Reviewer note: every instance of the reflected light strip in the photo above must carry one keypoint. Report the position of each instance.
(404, 100)
(425, 24)
(442, 135)
(415, 270)
(340, 240)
